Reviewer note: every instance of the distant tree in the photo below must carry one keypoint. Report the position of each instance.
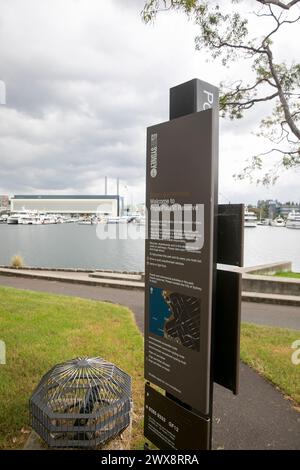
(227, 36)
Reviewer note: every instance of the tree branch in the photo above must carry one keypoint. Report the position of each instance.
(227, 36)
(248, 104)
(287, 114)
(289, 152)
(238, 88)
(278, 24)
(254, 50)
(278, 3)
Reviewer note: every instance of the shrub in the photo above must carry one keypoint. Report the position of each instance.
(17, 261)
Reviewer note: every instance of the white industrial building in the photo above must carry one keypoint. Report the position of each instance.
(101, 204)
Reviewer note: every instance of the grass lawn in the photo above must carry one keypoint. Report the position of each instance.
(268, 350)
(41, 330)
(288, 274)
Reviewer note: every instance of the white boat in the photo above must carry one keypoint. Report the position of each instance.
(278, 222)
(13, 219)
(250, 218)
(30, 219)
(263, 222)
(113, 220)
(87, 221)
(136, 218)
(37, 218)
(293, 220)
(48, 219)
(69, 220)
(124, 219)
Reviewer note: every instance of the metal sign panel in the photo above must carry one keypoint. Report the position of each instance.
(230, 245)
(230, 251)
(170, 426)
(191, 97)
(180, 187)
(226, 364)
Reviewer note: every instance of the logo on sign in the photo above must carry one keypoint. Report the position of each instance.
(153, 155)
(209, 100)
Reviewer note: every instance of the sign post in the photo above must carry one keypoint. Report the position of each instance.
(192, 309)
(180, 268)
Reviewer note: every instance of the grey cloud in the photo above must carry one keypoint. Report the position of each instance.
(84, 80)
(91, 121)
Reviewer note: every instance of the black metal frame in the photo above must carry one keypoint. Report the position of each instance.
(83, 402)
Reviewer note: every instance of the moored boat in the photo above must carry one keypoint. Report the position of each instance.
(293, 220)
(3, 219)
(264, 222)
(250, 219)
(13, 219)
(278, 222)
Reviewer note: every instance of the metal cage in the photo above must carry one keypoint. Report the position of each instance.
(83, 402)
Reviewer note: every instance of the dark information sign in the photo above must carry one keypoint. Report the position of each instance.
(230, 241)
(170, 426)
(226, 364)
(179, 259)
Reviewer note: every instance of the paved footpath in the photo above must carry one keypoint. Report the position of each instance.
(259, 417)
(282, 316)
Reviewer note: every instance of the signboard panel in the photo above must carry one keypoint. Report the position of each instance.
(170, 426)
(191, 97)
(179, 265)
(226, 364)
(230, 245)
(228, 296)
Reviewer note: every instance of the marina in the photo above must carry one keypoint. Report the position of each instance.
(73, 245)
(41, 218)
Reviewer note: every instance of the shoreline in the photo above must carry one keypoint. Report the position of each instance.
(259, 287)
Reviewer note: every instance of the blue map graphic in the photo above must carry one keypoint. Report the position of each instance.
(159, 311)
(175, 316)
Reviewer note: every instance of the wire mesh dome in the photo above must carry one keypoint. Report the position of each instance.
(83, 402)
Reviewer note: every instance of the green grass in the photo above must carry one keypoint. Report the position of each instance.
(288, 274)
(268, 350)
(41, 330)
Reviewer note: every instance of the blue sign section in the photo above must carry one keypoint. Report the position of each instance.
(159, 311)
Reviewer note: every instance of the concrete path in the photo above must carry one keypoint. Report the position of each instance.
(258, 418)
(282, 316)
(126, 280)
(91, 278)
(264, 314)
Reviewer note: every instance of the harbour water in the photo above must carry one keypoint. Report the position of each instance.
(77, 246)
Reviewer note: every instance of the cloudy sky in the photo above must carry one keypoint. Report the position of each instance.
(84, 79)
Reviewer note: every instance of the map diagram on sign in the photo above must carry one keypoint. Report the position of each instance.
(175, 316)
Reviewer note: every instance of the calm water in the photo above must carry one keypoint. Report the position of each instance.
(77, 246)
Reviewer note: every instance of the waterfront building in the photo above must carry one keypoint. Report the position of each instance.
(285, 209)
(273, 208)
(111, 205)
